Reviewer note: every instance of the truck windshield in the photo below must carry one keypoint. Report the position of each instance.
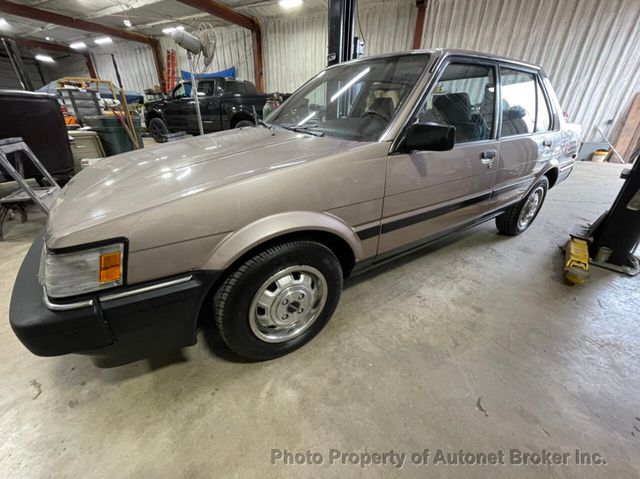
(354, 101)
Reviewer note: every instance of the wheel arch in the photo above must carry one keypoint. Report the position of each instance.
(552, 175)
(239, 116)
(328, 230)
(156, 114)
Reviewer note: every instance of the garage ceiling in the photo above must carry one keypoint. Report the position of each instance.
(146, 16)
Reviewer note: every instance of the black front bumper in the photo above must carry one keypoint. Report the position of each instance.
(113, 332)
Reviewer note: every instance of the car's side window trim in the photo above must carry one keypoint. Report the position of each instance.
(438, 70)
(555, 123)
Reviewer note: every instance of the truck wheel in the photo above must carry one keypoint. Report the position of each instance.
(519, 217)
(158, 128)
(242, 123)
(278, 300)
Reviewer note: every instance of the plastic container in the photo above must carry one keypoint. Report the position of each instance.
(599, 155)
(113, 136)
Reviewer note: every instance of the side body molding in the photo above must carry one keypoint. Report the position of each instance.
(239, 242)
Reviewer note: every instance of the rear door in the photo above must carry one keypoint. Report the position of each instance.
(232, 91)
(527, 136)
(429, 193)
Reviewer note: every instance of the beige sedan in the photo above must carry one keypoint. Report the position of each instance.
(256, 228)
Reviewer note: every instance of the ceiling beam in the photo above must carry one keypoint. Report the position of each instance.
(39, 45)
(62, 20)
(223, 11)
(230, 15)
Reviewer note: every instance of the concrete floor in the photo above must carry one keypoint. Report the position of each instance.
(476, 344)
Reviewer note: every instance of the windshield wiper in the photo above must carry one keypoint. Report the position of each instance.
(261, 122)
(303, 129)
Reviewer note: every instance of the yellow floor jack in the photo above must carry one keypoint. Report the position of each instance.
(576, 261)
(611, 241)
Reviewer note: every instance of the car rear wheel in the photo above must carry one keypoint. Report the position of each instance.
(158, 128)
(278, 300)
(519, 217)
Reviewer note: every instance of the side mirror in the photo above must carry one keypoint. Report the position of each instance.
(430, 137)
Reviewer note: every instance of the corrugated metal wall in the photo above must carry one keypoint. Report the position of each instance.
(388, 26)
(294, 48)
(9, 79)
(71, 66)
(135, 64)
(589, 48)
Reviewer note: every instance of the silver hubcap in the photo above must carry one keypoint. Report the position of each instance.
(288, 303)
(531, 206)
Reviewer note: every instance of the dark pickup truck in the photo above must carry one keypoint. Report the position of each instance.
(224, 103)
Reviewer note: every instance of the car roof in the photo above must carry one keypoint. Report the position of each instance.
(444, 52)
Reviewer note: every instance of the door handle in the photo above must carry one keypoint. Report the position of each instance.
(548, 143)
(488, 157)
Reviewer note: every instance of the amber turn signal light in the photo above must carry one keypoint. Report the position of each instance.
(110, 267)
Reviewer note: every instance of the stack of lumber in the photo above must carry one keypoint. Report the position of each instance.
(629, 138)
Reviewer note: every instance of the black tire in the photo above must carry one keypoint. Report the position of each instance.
(242, 123)
(232, 303)
(158, 128)
(511, 222)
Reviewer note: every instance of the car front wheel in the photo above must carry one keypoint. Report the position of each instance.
(519, 217)
(278, 300)
(158, 128)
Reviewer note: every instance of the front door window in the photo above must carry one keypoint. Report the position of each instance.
(463, 97)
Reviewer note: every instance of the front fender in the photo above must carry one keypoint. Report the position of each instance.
(265, 229)
(155, 112)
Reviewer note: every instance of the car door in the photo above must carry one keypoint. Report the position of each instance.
(429, 193)
(209, 108)
(174, 109)
(527, 139)
(231, 95)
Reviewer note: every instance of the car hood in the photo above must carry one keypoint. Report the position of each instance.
(128, 183)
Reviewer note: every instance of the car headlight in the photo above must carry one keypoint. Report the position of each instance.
(85, 271)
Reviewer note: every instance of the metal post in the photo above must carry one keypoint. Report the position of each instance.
(342, 31)
(420, 18)
(194, 92)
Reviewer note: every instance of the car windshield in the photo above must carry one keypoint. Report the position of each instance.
(354, 101)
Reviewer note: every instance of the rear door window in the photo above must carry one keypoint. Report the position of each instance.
(543, 119)
(234, 87)
(518, 102)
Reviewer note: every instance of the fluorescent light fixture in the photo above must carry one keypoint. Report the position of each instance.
(103, 41)
(127, 23)
(350, 83)
(44, 58)
(170, 30)
(78, 45)
(290, 3)
(3, 23)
